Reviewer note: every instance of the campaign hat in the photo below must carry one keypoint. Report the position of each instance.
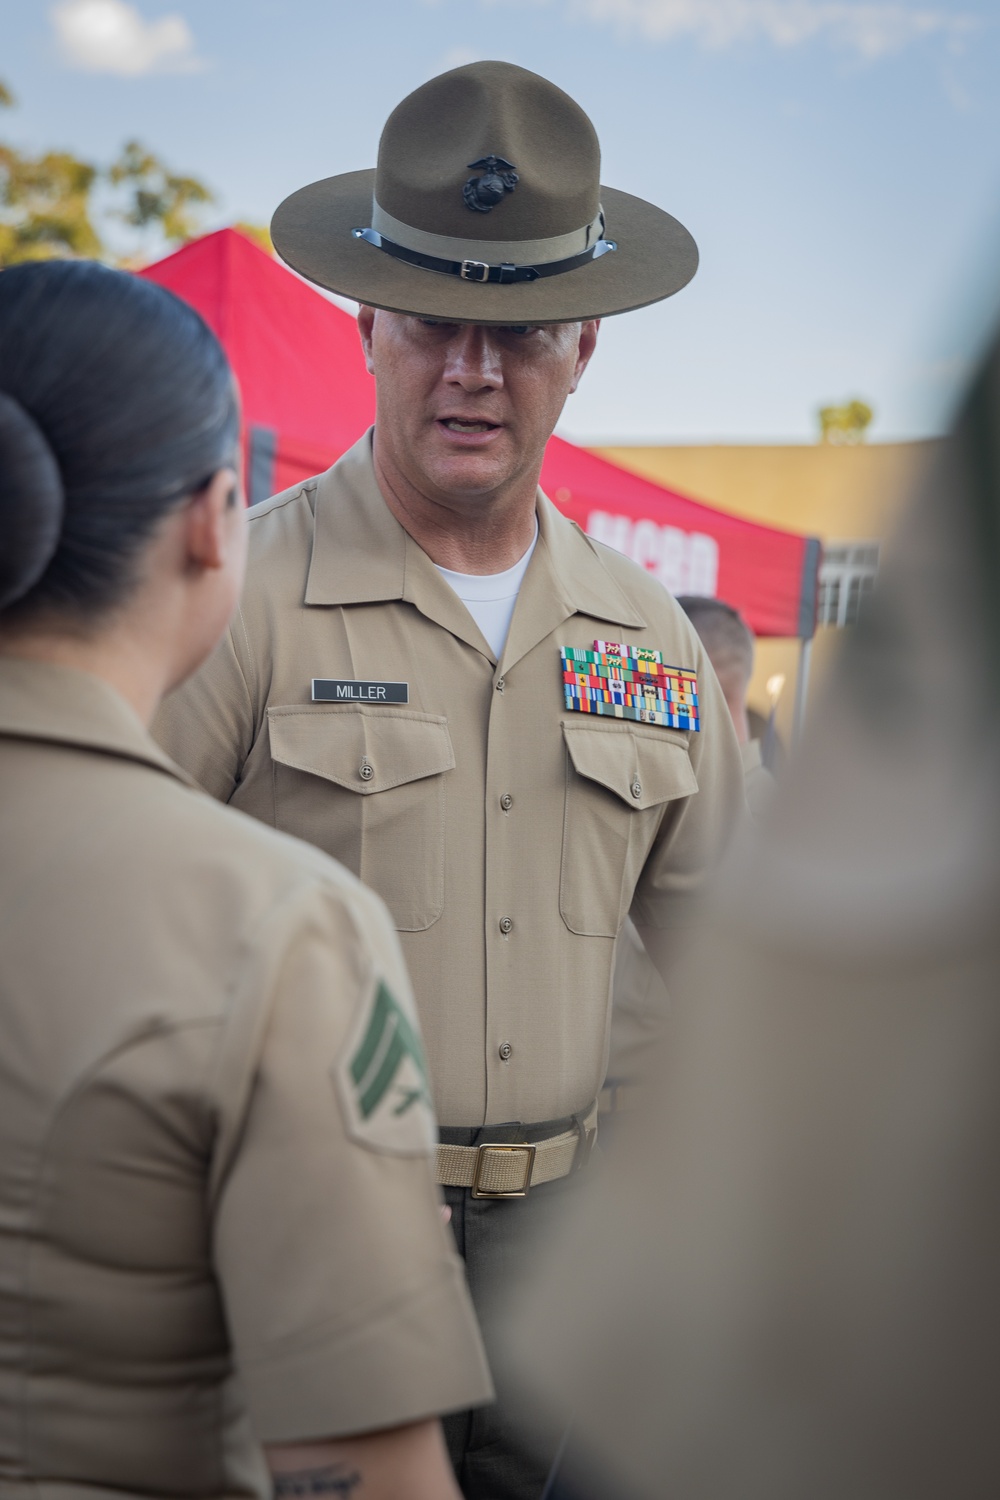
(486, 206)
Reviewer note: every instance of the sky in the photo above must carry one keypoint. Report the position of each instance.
(838, 162)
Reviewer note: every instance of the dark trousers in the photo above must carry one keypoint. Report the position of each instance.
(500, 1452)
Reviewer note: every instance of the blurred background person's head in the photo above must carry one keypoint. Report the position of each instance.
(729, 642)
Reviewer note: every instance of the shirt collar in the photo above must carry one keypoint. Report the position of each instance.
(362, 555)
(59, 705)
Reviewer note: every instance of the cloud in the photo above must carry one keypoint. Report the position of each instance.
(871, 28)
(110, 36)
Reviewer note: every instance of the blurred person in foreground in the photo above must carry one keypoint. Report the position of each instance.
(220, 1228)
(790, 1286)
(510, 731)
(639, 1000)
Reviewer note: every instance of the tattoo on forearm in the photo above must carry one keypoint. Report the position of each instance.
(335, 1479)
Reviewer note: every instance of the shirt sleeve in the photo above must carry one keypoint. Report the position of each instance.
(207, 725)
(346, 1302)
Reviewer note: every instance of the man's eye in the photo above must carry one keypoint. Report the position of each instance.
(519, 329)
(435, 323)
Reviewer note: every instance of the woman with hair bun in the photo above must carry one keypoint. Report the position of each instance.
(218, 1229)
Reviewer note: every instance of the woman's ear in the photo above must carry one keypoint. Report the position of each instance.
(208, 521)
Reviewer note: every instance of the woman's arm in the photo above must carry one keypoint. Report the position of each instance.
(400, 1463)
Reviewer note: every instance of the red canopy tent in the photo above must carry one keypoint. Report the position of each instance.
(307, 397)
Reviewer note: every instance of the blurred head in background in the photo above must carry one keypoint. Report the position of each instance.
(729, 642)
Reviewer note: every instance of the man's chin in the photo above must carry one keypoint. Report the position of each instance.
(470, 473)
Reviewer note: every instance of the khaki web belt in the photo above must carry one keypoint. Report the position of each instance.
(495, 1170)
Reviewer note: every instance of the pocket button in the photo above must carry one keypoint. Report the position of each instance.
(366, 770)
(636, 788)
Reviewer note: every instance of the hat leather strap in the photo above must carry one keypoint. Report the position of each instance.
(538, 258)
(481, 270)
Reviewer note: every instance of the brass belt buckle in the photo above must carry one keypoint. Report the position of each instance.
(520, 1192)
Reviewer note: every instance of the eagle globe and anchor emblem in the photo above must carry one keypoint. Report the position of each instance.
(482, 194)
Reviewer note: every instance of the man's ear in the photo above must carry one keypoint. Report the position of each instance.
(585, 348)
(208, 521)
(366, 322)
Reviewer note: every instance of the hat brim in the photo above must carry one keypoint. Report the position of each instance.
(311, 231)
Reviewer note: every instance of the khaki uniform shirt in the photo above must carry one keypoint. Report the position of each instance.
(207, 1215)
(508, 836)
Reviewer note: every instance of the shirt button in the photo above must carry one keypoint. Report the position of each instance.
(505, 1049)
(636, 788)
(506, 802)
(366, 770)
(506, 925)
(499, 684)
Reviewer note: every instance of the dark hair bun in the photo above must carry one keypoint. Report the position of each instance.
(32, 501)
(119, 404)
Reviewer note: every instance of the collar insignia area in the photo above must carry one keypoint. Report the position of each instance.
(349, 690)
(482, 194)
(382, 1080)
(629, 682)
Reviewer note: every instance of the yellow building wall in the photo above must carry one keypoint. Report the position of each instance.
(840, 494)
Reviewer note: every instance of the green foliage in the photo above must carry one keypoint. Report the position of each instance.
(845, 424)
(45, 207)
(156, 196)
(47, 202)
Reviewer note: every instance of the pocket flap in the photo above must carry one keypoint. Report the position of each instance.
(392, 745)
(642, 769)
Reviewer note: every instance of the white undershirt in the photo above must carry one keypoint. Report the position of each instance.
(490, 597)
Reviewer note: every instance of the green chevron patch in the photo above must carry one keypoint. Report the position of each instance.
(382, 1079)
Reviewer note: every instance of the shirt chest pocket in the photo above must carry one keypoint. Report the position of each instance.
(618, 782)
(367, 785)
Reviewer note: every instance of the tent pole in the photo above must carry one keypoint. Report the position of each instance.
(801, 690)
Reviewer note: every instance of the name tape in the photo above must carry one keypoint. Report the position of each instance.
(349, 690)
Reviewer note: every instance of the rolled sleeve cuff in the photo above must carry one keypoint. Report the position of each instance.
(418, 1357)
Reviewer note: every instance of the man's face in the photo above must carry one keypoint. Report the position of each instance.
(465, 411)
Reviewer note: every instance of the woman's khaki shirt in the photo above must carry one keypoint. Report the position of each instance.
(508, 835)
(217, 1218)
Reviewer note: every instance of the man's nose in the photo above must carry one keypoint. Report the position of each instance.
(473, 361)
